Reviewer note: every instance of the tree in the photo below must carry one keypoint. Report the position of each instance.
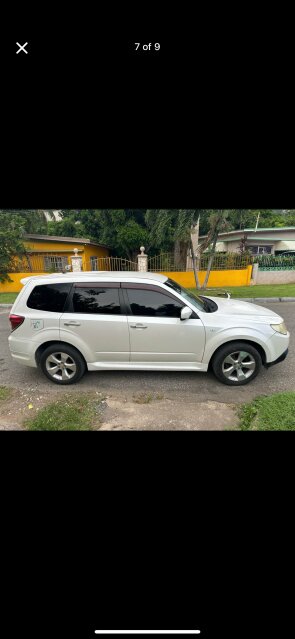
(218, 221)
(11, 242)
(123, 230)
(172, 228)
(247, 218)
(34, 220)
(67, 227)
(242, 218)
(169, 229)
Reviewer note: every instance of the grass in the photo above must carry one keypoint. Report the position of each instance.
(143, 398)
(70, 413)
(8, 298)
(4, 392)
(260, 290)
(276, 412)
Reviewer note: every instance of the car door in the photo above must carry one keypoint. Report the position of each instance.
(157, 334)
(93, 322)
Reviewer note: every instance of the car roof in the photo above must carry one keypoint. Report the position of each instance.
(88, 276)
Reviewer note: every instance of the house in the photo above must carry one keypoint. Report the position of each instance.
(261, 241)
(53, 252)
(50, 253)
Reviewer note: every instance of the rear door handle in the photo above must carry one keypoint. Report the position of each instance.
(138, 326)
(72, 323)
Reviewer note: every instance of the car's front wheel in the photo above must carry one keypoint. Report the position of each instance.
(236, 363)
(62, 364)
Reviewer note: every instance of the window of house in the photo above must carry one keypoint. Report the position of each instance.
(55, 262)
(151, 303)
(102, 300)
(260, 250)
(49, 297)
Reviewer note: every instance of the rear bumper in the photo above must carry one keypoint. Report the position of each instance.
(22, 358)
(22, 351)
(278, 360)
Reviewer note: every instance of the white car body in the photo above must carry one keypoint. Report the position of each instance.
(124, 341)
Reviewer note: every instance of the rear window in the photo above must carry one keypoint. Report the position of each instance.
(100, 300)
(49, 297)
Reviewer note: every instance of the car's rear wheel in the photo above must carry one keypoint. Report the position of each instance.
(62, 364)
(236, 363)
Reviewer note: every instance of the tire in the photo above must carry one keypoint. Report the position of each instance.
(236, 363)
(72, 364)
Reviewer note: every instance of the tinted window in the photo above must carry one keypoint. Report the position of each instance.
(96, 300)
(49, 297)
(153, 304)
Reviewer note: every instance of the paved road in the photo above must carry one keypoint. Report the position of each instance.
(187, 387)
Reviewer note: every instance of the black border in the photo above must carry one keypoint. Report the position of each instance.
(178, 528)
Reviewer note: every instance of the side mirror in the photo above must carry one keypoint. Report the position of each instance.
(186, 313)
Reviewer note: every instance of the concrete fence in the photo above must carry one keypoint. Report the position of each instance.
(275, 276)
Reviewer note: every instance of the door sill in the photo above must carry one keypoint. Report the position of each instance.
(147, 366)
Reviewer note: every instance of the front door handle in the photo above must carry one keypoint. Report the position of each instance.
(138, 326)
(72, 323)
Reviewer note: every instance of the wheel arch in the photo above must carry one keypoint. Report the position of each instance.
(252, 343)
(59, 345)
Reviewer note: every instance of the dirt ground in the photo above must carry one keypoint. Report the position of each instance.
(141, 411)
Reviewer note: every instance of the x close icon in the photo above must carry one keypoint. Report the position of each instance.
(22, 47)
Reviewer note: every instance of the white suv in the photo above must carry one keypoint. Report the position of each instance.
(68, 323)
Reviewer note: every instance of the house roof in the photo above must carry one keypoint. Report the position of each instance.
(275, 229)
(62, 238)
(258, 237)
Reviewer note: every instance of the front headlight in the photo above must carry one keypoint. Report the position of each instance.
(280, 328)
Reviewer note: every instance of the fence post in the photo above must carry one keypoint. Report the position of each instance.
(76, 261)
(254, 274)
(142, 260)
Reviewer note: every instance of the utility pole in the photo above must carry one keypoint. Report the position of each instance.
(257, 221)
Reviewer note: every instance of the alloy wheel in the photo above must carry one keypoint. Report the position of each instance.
(60, 366)
(238, 366)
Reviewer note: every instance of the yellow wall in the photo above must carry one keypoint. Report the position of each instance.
(93, 251)
(216, 278)
(15, 286)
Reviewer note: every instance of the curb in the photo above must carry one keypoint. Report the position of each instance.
(264, 299)
(6, 305)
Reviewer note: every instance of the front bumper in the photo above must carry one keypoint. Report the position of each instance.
(278, 360)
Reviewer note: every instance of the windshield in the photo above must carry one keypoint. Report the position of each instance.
(197, 301)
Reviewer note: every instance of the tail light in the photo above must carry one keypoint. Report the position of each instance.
(15, 321)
